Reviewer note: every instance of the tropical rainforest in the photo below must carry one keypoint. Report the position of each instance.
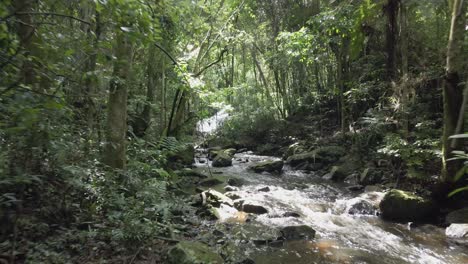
(233, 131)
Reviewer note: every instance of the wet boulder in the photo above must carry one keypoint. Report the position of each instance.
(222, 159)
(216, 198)
(250, 207)
(303, 158)
(293, 149)
(297, 232)
(399, 205)
(291, 214)
(361, 207)
(264, 189)
(237, 182)
(190, 252)
(457, 216)
(210, 182)
(268, 166)
(458, 233)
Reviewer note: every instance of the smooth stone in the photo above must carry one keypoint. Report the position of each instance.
(297, 232)
(264, 189)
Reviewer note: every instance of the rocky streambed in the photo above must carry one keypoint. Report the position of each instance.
(258, 214)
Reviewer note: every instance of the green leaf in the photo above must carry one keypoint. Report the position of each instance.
(460, 173)
(457, 191)
(458, 136)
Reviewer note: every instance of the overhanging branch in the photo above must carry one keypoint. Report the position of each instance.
(50, 14)
(220, 57)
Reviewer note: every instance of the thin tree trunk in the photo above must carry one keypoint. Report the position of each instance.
(114, 153)
(391, 10)
(453, 88)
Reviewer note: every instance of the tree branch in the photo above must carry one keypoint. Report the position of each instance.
(212, 63)
(51, 14)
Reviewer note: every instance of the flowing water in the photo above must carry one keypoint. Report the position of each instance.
(343, 236)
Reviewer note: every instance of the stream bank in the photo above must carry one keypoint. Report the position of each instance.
(246, 213)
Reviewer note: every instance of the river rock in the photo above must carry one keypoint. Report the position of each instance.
(399, 205)
(361, 207)
(249, 207)
(233, 196)
(237, 182)
(230, 188)
(216, 198)
(210, 182)
(222, 159)
(302, 158)
(458, 216)
(189, 252)
(264, 189)
(297, 232)
(330, 154)
(268, 166)
(457, 231)
(291, 214)
(293, 149)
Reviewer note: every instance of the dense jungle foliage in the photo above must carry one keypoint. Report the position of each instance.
(100, 100)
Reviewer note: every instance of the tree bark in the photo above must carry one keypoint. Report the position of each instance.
(391, 9)
(115, 148)
(453, 88)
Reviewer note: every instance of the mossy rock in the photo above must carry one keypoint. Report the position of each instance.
(268, 166)
(330, 154)
(223, 159)
(293, 149)
(298, 159)
(188, 252)
(399, 205)
(210, 182)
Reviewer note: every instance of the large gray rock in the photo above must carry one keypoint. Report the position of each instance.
(297, 232)
(268, 166)
(399, 205)
(188, 252)
(458, 216)
(222, 159)
(302, 158)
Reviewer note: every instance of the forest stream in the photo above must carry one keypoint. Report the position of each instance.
(348, 228)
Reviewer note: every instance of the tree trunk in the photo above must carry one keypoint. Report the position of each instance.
(114, 153)
(391, 9)
(453, 88)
